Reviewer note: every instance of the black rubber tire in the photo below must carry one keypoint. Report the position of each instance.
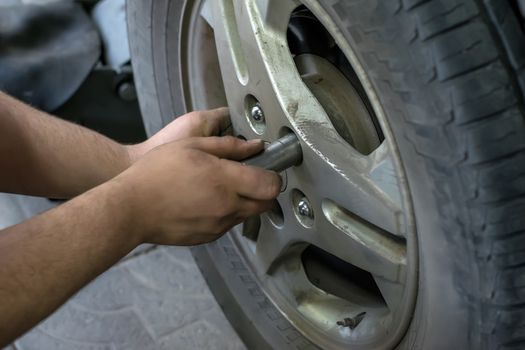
(450, 75)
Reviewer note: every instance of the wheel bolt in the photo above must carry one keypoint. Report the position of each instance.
(257, 113)
(304, 209)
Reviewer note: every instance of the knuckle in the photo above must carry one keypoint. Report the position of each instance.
(196, 159)
(192, 117)
(216, 142)
(230, 141)
(229, 207)
(199, 117)
(225, 203)
(190, 142)
(273, 185)
(196, 114)
(219, 189)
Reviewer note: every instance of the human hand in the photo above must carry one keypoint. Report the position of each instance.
(192, 191)
(194, 124)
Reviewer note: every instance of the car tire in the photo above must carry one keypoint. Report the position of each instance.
(449, 74)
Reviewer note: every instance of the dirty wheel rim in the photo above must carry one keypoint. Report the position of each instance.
(338, 254)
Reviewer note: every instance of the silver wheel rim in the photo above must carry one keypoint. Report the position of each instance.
(359, 202)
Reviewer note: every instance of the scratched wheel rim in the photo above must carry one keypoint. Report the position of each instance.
(347, 275)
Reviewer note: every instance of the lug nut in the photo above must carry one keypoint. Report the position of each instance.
(304, 212)
(304, 209)
(254, 114)
(257, 113)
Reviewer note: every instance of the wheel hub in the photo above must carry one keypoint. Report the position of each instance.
(340, 100)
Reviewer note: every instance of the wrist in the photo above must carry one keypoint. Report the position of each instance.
(134, 152)
(116, 198)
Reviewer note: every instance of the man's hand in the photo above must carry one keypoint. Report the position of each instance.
(176, 188)
(214, 122)
(191, 191)
(185, 192)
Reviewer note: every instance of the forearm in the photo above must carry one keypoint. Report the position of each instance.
(46, 156)
(45, 260)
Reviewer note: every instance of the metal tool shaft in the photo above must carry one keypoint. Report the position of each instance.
(278, 155)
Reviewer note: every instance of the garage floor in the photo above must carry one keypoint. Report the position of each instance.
(153, 299)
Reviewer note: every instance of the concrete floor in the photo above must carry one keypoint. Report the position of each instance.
(155, 298)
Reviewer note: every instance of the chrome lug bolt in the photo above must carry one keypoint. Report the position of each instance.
(257, 113)
(304, 209)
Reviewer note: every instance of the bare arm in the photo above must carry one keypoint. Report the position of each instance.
(45, 156)
(45, 260)
(182, 193)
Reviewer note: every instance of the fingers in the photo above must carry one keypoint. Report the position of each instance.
(228, 147)
(252, 182)
(247, 208)
(250, 207)
(217, 121)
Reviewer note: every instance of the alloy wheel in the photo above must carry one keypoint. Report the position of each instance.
(338, 253)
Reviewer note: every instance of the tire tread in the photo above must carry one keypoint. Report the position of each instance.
(474, 145)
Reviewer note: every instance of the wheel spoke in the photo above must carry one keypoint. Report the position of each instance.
(255, 59)
(392, 292)
(206, 12)
(342, 175)
(381, 171)
(276, 242)
(353, 240)
(231, 50)
(273, 244)
(232, 60)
